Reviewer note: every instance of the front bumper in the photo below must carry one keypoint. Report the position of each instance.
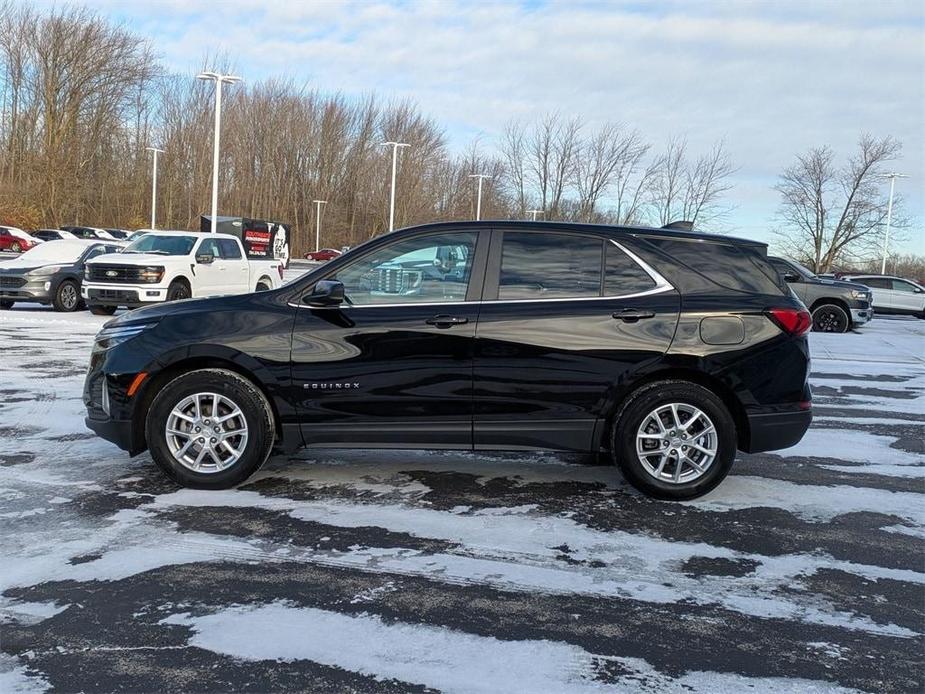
(31, 290)
(777, 430)
(859, 316)
(130, 295)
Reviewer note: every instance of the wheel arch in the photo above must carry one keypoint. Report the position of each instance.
(841, 303)
(219, 358)
(716, 385)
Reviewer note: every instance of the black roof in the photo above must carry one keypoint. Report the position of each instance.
(596, 228)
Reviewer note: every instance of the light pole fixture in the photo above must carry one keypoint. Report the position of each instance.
(394, 146)
(318, 204)
(889, 217)
(536, 212)
(478, 205)
(156, 151)
(219, 79)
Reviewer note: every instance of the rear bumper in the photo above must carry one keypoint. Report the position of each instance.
(777, 430)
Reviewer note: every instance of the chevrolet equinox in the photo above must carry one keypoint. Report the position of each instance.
(665, 350)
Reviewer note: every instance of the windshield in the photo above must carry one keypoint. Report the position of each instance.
(67, 251)
(162, 245)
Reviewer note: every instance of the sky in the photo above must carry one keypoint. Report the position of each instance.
(771, 79)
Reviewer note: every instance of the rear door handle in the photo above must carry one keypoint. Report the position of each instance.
(447, 321)
(631, 315)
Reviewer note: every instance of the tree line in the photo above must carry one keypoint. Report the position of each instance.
(82, 98)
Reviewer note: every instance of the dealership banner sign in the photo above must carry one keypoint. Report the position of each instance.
(262, 239)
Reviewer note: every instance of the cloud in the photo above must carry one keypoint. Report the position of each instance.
(772, 78)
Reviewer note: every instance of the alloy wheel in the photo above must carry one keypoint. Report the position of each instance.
(68, 294)
(676, 443)
(206, 432)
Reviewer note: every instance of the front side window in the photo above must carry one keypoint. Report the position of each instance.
(423, 269)
(209, 246)
(902, 286)
(549, 266)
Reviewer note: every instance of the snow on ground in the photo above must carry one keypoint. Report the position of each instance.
(397, 570)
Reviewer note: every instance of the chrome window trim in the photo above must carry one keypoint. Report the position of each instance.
(661, 285)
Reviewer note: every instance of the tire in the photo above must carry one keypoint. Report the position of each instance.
(635, 418)
(15, 247)
(178, 290)
(97, 310)
(177, 454)
(66, 297)
(6, 305)
(830, 318)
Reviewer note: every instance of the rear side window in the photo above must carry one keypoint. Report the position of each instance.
(622, 274)
(874, 282)
(728, 265)
(549, 266)
(229, 248)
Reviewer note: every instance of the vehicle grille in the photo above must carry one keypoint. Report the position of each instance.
(112, 295)
(115, 273)
(11, 282)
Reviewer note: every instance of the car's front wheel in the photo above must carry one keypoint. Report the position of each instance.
(209, 429)
(830, 318)
(674, 440)
(66, 297)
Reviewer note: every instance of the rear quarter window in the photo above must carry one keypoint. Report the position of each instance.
(728, 265)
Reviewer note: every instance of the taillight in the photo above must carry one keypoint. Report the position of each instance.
(793, 321)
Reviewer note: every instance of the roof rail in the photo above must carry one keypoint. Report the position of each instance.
(680, 225)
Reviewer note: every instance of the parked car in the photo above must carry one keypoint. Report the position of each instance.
(91, 233)
(15, 240)
(172, 265)
(652, 346)
(323, 255)
(836, 306)
(894, 294)
(119, 234)
(53, 234)
(49, 274)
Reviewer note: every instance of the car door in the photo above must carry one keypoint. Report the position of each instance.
(564, 317)
(210, 277)
(881, 292)
(907, 297)
(392, 365)
(237, 272)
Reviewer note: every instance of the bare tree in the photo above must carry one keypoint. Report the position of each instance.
(832, 213)
(690, 191)
(609, 158)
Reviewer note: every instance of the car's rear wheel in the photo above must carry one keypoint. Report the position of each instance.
(674, 440)
(209, 429)
(67, 296)
(830, 318)
(4, 305)
(98, 310)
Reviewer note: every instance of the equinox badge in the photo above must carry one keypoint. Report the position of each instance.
(330, 386)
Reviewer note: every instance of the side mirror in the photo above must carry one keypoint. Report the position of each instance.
(204, 258)
(325, 293)
(791, 277)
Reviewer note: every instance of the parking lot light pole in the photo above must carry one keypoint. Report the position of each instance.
(155, 150)
(219, 80)
(889, 217)
(318, 204)
(536, 212)
(478, 204)
(394, 146)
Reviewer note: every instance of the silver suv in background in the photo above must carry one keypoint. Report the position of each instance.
(894, 294)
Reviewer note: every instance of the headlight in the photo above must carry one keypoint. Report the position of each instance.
(44, 271)
(857, 294)
(151, 274)
(108, 338)
(86, 272)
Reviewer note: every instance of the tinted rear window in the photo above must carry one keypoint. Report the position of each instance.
(728, 265)
(549, 266)
(622, 274)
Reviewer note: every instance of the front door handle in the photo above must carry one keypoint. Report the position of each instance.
(446, 321)
(631, 315)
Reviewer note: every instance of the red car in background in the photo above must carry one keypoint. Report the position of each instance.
(16, 240)
(323, 255)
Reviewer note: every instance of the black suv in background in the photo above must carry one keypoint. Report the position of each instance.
(836, 306)
(667, 350)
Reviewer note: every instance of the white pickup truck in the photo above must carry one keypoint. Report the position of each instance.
(171, 265)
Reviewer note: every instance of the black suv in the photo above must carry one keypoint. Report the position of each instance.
(666, 350)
